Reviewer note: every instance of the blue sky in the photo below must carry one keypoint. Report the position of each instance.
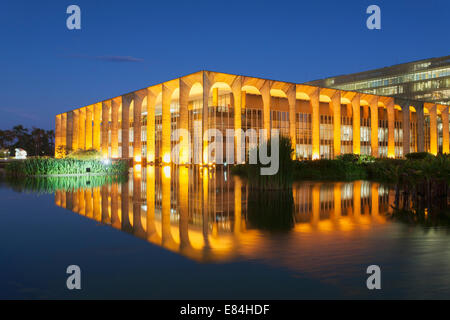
(46, 69)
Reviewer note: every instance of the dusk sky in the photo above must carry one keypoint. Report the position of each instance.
(46, 69)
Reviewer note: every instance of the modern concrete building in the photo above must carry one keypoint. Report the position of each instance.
(321, 122)
(425, 80)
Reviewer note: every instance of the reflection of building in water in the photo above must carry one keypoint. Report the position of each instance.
(202, 213)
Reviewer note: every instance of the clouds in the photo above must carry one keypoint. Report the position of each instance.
(118, 59)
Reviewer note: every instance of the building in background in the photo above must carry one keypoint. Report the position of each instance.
(424, 80)
(321, 122)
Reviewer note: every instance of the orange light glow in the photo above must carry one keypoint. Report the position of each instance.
(137, 159)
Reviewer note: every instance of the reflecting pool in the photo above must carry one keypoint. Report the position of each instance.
(193, 232)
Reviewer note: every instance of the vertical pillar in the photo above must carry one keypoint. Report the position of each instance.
(374, 126)
(69, 132)
(236, 88)
(115, 105)
(151, 100)
(433, 129)
(356, 110)
(57, 133)
(420, 127)
(64, 129)
(75, 129)
(445, 130)
(315, 118)
(391, 128)
(205, 116)
(184, 121)
(115, 215)
(126, 102)
(292, 99)
(106, 106)
(335, 105)
(137, 125)
(406, 120)
(166, 127)
(215, 97)
(98, 114)
(82, 129)
(89, 114)
(265, 92)
(315, 203)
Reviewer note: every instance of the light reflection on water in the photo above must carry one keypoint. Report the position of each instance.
(314, 241)
(209, 215)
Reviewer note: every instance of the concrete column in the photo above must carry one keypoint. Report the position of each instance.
(75, 129)
(89, 208)
(315, 119)
(265, 92)
(420, 127)
(184, 121)
(115, 105)
(96, 129)
(57, 132)
(89, 118)
(82, 129)
(166, 126)
(236, 88)
(406, 120)
(106, 106)
(205, 116)
(445, 130)
(292, 99)
(151, 100)
(356, 104)
(137, 125)
(433, 129)
(64, 129)
(126, 102)
(374, 126)
(391, 128)
(69, 132)
(335, 105)
(215, 97)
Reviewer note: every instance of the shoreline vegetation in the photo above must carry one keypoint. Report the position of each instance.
(78, 163)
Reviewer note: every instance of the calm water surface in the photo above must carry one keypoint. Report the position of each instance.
(190, 233)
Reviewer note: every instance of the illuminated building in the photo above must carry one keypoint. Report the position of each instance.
(425, 80)
(321, 122)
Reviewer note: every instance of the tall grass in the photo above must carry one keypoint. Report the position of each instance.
(52, 184)
(51, 166)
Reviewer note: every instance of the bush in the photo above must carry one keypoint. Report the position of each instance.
(62, 152)
(418, 155)
(81, 154)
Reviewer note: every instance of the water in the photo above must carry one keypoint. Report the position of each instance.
(185, 233)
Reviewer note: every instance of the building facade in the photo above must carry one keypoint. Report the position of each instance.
(321, 122)
(425, 80)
